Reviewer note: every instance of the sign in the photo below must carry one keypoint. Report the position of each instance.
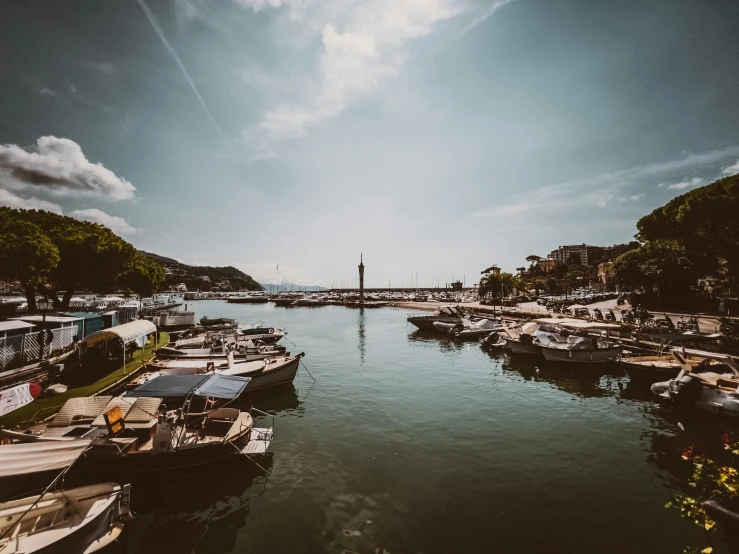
(15, 397)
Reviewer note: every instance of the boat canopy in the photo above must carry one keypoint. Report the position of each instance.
(212, 385)
(450, 310)
(126, 333)
(34, 457)
(576, 323)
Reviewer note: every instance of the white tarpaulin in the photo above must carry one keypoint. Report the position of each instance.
(35, 457)
(15, 397)
(126, 332)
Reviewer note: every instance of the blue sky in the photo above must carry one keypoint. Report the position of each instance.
(437, 137)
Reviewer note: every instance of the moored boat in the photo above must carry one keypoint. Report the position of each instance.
(79, 520)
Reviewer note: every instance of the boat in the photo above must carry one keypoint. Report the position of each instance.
(277, 370)
(495, 341)
(469, 330)
(447, 314)
(267, 335)
(663, 366)
(526, 339)
(253, 298)
(206, 321)
(707, 391)
(79, 520)
(135, 436)
(581, 346)
(242, 352)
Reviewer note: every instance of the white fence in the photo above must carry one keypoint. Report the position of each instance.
(24, 349)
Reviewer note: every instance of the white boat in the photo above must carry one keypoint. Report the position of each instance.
(80, 520)
(579, 348)
(715, 393)
(527, 339)
(276, 370)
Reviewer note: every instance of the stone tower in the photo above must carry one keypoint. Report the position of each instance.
(361, 280)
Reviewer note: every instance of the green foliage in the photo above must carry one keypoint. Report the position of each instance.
(189, 274)
(494, 285)
(70, 255)
(703, 221)
(26, 253)
(143, 276)
(667, 263)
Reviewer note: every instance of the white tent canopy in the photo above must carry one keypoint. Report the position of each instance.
(126, 332)
(25, 458)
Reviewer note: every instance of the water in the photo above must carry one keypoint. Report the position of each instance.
(409, 443)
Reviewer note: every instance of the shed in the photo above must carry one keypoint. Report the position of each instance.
(91, 322)
(111, 319)
(14, 328)
(53, 321)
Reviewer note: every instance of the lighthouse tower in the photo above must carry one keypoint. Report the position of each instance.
(361, 280)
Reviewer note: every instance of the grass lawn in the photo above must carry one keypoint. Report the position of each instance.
(47, 406)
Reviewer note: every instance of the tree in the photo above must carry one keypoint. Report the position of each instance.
(26, 255)
(702, 221)
(533, 259)
(143, 276)
(494, 284)
(664, 263)
(90, 256)
(520, 270)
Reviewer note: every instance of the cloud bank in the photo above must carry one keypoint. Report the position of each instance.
(58, 166)
(116, 224)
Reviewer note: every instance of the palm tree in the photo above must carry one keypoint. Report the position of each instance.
(520, 270)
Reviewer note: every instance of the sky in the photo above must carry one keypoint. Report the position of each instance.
(435, 137)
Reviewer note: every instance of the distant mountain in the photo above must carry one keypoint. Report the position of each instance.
(288, 287)
(203, 277)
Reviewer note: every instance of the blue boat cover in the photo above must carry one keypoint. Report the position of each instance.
(177, 386)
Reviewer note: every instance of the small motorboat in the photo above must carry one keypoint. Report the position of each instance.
(581, 346)
(494, 341)
(661, 367)
(81, 520)
(447, 314)
(210, 322)
(716, 393)
(469, 330)
(267, 335)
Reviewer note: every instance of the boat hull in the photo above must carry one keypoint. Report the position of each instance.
(601, 355)
(426, 322)
(517, 347)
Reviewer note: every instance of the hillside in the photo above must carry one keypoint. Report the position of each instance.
(203, 277)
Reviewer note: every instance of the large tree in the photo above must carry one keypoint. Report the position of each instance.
(703, 221)
(89, 256)
(26, 255)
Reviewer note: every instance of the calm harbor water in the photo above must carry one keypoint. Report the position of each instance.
(410, 443)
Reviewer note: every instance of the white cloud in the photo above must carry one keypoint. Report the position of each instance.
(47, 92)
(116, 224)
(682, 185)
(731, 170)
(58, 166)
(363, 46)
(600, 189)
(633, 198)
(11, 200)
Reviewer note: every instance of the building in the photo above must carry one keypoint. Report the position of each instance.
(587, 254)
(457, 285)
(547, 264)
(605, 273)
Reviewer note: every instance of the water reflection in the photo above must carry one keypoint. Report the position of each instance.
(446, 344)
(361, 334)
(206, 512)
(281, 400)
(584, 382)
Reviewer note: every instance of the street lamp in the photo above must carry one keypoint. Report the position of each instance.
(44, 305)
